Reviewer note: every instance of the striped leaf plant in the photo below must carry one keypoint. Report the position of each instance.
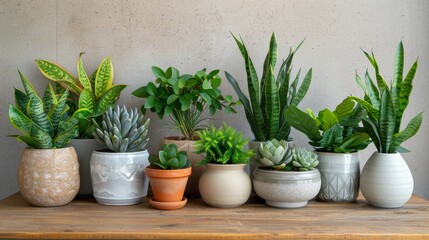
(95, 93)
(385, 105)
(44, 121)
(272, 95)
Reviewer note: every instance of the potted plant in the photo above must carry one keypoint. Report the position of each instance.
(95, 94)
(168, 175)
(386, 180)
(224, 184)
(185, 99)
(48, 172)
(270, 97)
(337, 138)
(287, 176)
(118, 173)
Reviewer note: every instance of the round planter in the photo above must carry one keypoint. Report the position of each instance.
(386, 180)
(119, 178)
(340, 176)
(286, 189)
(48, 177)
(225, 186)
(191, 190)
(84, 149)
(168, 186)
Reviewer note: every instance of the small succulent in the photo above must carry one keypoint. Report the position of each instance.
(170, 158)
(303, 159)
(122, 131)
(274, 154)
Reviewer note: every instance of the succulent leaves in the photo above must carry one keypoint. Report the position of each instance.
(122, 131)
(275, 154)
(303, 159)
(170, 158)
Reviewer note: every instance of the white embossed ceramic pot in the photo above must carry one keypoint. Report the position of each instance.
(340, 176)
(386, 180)
(119, 178)
(286, 189)
(225, 185)
(48, 177)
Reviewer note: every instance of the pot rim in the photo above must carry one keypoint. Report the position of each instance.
(288, 172)
(179, 138)
(168, 173)
(47, 149)
(254, 141)
(225, 166)
(334, 153)
(102, 152)
(387, 154)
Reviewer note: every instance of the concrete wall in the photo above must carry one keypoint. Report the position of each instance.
(195, 34)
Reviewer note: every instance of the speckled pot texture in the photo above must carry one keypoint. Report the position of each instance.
(48, 177)
(286, 189)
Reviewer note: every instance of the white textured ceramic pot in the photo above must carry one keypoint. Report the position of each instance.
(286, 189)
(189, 147)
(119, 178)
(84, 149)
(48, 177)
(386, 180)
(340, 176)
(225, 185)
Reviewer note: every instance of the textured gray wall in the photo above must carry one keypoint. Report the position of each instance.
(195, 34)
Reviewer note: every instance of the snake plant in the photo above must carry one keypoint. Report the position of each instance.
(96, 93)
(303, 159)
(44, 121)
(170, 158)
(385, 105)
(274, 154)
(122, 131)
(272, 95)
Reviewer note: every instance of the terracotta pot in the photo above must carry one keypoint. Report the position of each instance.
(168, 185)
(188, 146)
(119, 178)
(48, 177)
(84, 149)
(225, 185)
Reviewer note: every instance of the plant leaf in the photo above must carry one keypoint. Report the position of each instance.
(107, 100)
(344, 109)
(38, 116)
(402, 136)
(21, 100)
(83, 77)
(19, 120)
(404, 93)
(54, 71)
(302, 122)
(86, 100)
(372, 91)
(103, 78)
(302, 91)
(386, 122)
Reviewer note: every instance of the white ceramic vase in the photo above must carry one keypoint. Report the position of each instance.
(225, 185)
(386, 180)
(286, 189)
(119, 178)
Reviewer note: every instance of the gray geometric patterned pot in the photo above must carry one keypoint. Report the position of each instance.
(340, 176)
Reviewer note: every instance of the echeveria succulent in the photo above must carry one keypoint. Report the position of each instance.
(303, 159)
(275, 154)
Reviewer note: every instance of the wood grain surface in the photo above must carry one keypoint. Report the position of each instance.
(85, 219)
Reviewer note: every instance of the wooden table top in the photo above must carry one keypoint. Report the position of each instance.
(85, 219)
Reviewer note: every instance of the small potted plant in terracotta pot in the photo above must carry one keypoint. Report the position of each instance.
(117, 173)
(48, 172)
(287, 176)
(186, 99)
(168, 174)
(94, 93)
(224, 184)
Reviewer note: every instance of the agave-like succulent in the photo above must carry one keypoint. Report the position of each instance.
(122, 131)
(275, 154)
(303, 159)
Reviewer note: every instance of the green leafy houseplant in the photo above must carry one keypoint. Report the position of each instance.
(185, 98)
(331, 131)
(222, 146)
(122, 131)
(44, 121)
(170, 158)
(272, 95)
(385, 105)
(95, 94)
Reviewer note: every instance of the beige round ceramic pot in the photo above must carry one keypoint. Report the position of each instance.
(188, 146)
(225, 185)
(48, 177)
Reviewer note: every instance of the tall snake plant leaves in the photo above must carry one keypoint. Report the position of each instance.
(269, 98)
(385, 112)
(42, 120)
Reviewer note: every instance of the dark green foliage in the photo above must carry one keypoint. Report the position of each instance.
(222, 146)
(170, 158)
(385, 106)
(272, 95)
(185, 98)
(336, 131)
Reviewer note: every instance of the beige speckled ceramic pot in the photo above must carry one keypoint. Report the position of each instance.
(48, 177)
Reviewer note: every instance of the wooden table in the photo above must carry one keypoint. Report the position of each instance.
(86, 219)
